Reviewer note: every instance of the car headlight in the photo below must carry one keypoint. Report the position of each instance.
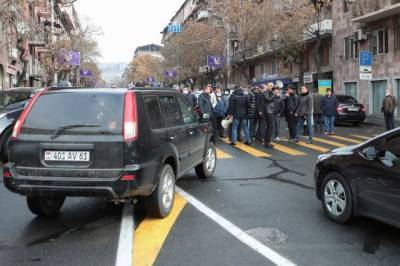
(324, 157)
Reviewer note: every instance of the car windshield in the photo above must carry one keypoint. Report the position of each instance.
(346, 99)
(14, 99)
(56, 110)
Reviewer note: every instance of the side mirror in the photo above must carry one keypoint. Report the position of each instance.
(206, 118)
(370, 153)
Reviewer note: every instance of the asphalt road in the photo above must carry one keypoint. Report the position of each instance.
(270, 198)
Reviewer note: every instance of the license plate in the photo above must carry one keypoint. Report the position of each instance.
(67, 156)
(354, 109)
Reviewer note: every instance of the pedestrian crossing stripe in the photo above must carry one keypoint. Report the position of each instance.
(287, 150)
(249, 150)
(361, 137)
(332, 143)
(346, 139)
(312, 147)
(223, 155)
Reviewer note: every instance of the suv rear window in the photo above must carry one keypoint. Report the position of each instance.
(54, 110)
(172, 116)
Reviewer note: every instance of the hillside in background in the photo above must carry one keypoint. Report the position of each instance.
(112, 72)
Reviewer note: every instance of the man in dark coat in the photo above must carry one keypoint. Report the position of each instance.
(238, 107)
(304, 114)
(389, 105)
(329, 105)
(291, 105)
(279, 109)
(269, 98)
(259, 118)
(251, 112)
(190, 96)
(205, 102)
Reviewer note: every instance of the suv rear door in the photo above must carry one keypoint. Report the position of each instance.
(175, 131)
(94, 136)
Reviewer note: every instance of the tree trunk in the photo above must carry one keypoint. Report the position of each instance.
(316, 55)
(21, 48)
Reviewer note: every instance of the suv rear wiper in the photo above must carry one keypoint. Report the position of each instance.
(60, 130)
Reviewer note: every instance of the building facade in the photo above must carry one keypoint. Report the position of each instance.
(150, 49)
(373, 26)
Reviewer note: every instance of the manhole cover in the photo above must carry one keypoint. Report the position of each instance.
(268, 236)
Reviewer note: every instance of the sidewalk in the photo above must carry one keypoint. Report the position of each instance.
(379, 120)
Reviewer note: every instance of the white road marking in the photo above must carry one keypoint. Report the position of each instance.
(125, 243)
(237, 232)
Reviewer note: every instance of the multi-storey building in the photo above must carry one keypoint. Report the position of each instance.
(34, 23)
(150, 49)
(367, 25)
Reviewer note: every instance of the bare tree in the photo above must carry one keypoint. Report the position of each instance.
(143, 67)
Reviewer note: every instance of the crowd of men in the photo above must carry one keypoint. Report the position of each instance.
(256, 112)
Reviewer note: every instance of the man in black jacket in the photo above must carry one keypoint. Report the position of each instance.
(291, 105)
(269, 98)
(279, 109)
(205, 101)
(251, 111)
(238, 107)
(305, 114)
(259, 118)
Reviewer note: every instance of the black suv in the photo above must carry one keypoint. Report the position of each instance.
(111, 143)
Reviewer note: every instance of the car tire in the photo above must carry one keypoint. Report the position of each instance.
(337, 198)
(207, 167)
(45, 207)
(159, 204)
(5, 139)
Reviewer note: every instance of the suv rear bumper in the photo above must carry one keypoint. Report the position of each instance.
(110, 188)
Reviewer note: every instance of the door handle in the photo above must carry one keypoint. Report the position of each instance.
(172, 137)
(190, 132)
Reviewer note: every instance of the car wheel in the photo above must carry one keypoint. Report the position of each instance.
(4, 150)
(207, 167)
(337, 198)
(159, 204)
(45, 207)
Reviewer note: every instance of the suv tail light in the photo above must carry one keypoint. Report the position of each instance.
(128, 177)
(340, 109)
(7, 173)
(363, 109)
(130, 118)
(18, 125)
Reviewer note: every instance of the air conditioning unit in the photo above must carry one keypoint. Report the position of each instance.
(360, 35)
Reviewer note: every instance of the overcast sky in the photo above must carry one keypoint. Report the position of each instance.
(127, 24)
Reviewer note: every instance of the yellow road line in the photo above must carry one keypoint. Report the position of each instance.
(312, 147)
(152, 233)
(249, 150)
(345, 139)
(361, 137)
(332, 143)
(223, 155)
(287, 150)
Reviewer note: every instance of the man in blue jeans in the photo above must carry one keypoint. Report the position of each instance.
(329, 105)
(238, 107)
(304, 114)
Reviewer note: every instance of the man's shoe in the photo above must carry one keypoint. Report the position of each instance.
(332, 133)
(310, 141)
(268, 145)
(296, 140)
(247, 143)
(326, 133)
(232, 144)
(277, 139)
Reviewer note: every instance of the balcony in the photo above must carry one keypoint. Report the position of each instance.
(386, 12)
(38, 40)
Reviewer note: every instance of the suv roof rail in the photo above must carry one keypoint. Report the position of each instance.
(152, 89)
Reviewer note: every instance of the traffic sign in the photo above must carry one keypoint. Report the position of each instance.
(365, 58)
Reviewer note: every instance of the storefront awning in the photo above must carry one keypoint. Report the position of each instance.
(379, 14)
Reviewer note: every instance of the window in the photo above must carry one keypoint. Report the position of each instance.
(398, 37)
(398, 93)
(187, 111)
(170, 111)
(274, 66)
(263, 69)
(380, 42)
(350, 48)
(351, 89)
(154, 112)
(324, 55)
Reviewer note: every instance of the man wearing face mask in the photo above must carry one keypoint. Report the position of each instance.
(304, 114)
(190, 96)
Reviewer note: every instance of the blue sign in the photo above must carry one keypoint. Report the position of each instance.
(72, 58)
(216, 61)
(175, 28)
(365, 58)
(170, 74)
(86, 73)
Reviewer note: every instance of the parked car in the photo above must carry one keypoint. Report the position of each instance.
(111, 143)
(12, 103)
(362, 180)
(350, 110)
